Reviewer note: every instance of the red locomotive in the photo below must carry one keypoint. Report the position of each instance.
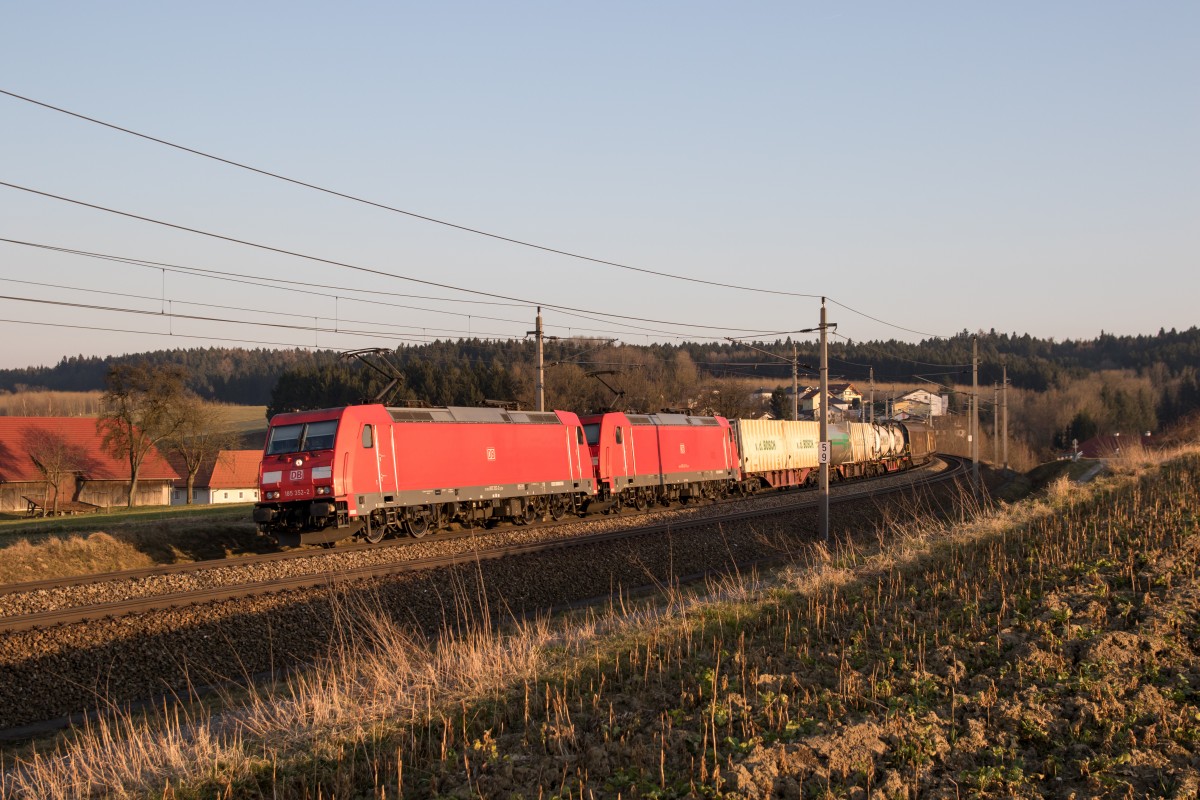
(330, 474)
(639, 459)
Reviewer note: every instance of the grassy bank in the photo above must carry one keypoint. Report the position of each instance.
(34, 549)
(1046, 648)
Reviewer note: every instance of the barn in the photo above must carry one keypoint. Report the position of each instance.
(231, 478)
(40, 454)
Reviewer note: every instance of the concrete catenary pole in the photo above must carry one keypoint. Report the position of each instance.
(795, 385)
(975, 409)
(995, 424)
(823, 513)
(1004, 401)
(541, 366)
(872, 395)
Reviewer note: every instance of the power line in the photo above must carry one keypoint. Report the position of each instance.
(446, 223)
(349, 266)
(289, 314)
(286, 285)
(315, 328)
(385, 207)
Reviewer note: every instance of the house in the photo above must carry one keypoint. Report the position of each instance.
(231, 478)
(39, 455)
(810, 403)
(846, 394)
(919, 403)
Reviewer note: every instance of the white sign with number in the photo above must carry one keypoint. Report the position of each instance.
(823, 452)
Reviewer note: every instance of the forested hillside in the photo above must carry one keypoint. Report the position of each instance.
(1136, 382)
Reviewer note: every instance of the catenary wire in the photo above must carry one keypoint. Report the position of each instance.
(413, 214)
(446, 223)
(345, 265)
(286, 285)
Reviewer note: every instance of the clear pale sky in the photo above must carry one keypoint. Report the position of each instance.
(1028, 167)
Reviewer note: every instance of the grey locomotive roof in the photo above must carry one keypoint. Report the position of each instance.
(464, 414)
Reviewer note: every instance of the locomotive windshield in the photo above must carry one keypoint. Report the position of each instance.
(302, 436)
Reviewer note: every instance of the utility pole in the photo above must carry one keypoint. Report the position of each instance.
(541, 366)
(975, 410)
(872, 395)
(823, 514)
(1004, 395)
(795, 385)
(995, 424)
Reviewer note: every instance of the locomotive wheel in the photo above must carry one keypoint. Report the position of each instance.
(639, 500)
(417, 525)
(376, 527)
(558, 507)
(528, 514)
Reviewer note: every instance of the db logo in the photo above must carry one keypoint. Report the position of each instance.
(297, 475)
(491, 454)
(682, 449)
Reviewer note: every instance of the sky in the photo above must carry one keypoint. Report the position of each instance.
(928, 167)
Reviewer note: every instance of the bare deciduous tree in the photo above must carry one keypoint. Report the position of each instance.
(199, 438)
(56, 458)
(141, 407)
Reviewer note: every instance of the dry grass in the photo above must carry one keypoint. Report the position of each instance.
(112, 545)
(1039, 648)
(75, 555)
(50, 404)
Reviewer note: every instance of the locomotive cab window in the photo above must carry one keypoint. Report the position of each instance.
(300, 437)
(368, 439)
(284, 439)
(579, 435)
(618, 434)
(320, 435)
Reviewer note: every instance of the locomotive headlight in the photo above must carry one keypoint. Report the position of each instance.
(299, 462)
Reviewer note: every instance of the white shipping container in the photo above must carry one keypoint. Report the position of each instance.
(768, 445)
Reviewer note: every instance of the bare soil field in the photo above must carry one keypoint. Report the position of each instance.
(1045, 649)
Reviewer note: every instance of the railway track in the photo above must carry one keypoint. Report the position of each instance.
(328, 569)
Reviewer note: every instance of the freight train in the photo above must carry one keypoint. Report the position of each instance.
(372, 471)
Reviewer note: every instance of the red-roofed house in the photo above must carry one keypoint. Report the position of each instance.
(39, 453)
(233, 478)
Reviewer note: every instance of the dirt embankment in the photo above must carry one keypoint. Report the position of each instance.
(1060, 658)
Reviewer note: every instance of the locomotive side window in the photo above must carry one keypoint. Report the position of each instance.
(284, 439)
(579, 435)
(368, 439)
(618, 434)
